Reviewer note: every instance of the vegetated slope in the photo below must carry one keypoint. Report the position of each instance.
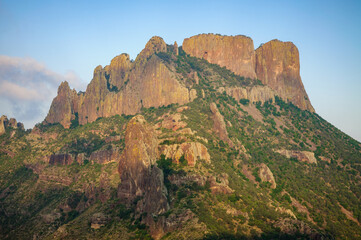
(232, 169)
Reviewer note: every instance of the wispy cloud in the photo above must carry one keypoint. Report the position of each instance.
(27, 88)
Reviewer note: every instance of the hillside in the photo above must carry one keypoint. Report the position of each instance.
(182, 145)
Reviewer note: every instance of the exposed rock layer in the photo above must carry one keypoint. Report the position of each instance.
(139, 176)
(235, 53)
(275, 63)
(192, 151)
(302, 156)
(122, 87)
(266, 175)
(278, 66)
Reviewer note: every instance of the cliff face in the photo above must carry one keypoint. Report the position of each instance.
(275, 63)
(64, 106)
(278, 66)
(235, 53)
(123, 87)
(139, 176)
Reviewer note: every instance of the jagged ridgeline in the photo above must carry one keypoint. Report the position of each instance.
(210, 140)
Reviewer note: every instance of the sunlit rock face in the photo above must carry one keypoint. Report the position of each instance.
(235, 53)
(123, 87)
(278, 66)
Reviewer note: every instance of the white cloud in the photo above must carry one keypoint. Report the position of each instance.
(27, 88)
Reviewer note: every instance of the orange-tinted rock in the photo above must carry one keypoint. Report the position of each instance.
(2, 124)
(118, 70)
(192, 151)
(278, 66)
(236, 53)
(219, 185)
(155, 44)
(104, 156)
(266, 175)
(64, 106)
(219, 125)
(139, 176)
(302, 156)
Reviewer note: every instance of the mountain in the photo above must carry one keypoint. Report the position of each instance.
(210, 140)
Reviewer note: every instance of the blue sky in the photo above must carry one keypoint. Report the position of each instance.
(45, 42)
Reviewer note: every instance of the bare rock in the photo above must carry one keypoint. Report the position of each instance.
(266, 175)
(236, 53)
(105, 156)
(64, 106)
(173, 121)
(192, 151)
(219, 185)
(302, 156)
(219, 125)
(61, 159)
(175, 48)
(192, 94)
(278, 66)
(138, 173)
(155, 44)
(2, 124)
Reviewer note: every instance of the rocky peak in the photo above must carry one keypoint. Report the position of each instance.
(2, 124)
(236, 53)
(175, 47)
(64, 105)
(96, 71)
(155, 44)
(12, 123)
(275, 63)
(120, 62)
(140, 153)
(278, 66)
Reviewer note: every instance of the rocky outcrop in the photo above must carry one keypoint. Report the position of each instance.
(123, 87)
(219, 125)
(253, 94)
(266, 175)
(12, 123)
(99, 220)
(236, 53)
(2, 124)
(139, 175)
(219, 185)
(60, 159)
(275, 63)
(278, 66)
(192, 151)
(64, 106)
(155, 44)
(104, 156)
(302, 156)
